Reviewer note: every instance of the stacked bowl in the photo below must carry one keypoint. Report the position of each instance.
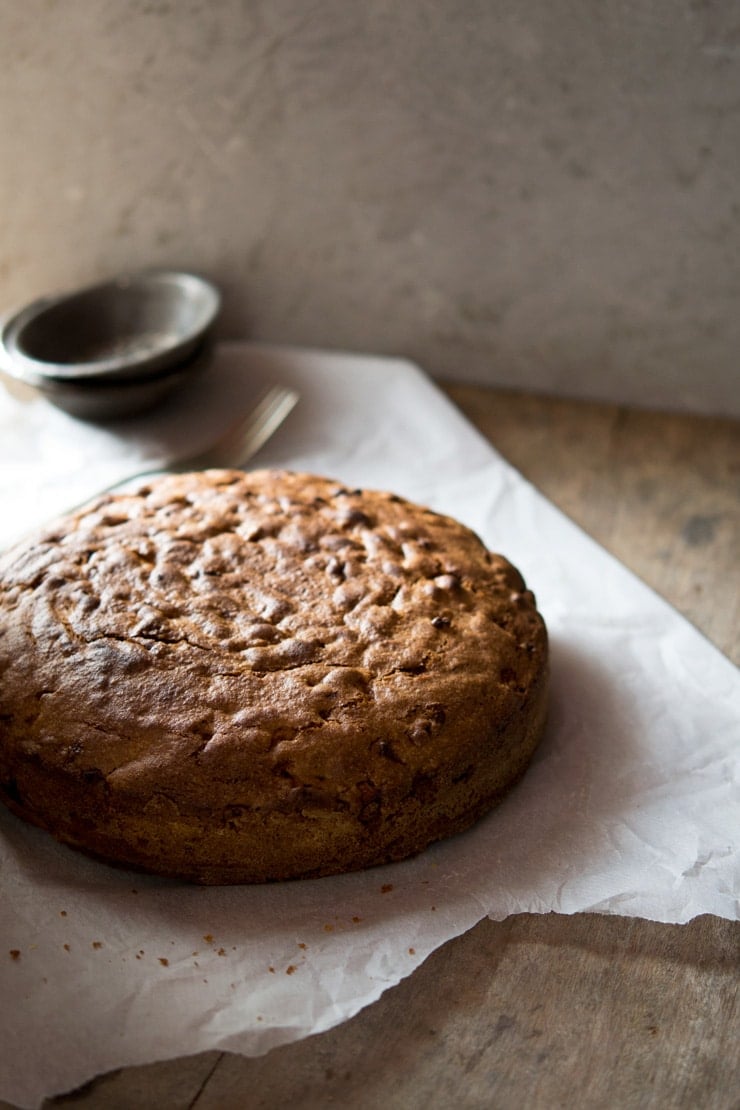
(114, 348)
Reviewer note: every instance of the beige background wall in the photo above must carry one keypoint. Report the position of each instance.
(537, 193)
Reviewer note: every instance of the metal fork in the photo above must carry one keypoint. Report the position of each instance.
(244, 437)
(236, 445)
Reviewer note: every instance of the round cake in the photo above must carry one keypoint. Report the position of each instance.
(231, 677)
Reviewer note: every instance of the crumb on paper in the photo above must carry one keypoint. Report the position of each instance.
(208, 938)
(164, 961)
(290, 969)
(302, 946)
(221, 952)
(97, 944)
(328, 928)
(386, 888)
(356, 920)
(15, 953)
(66, 948)
(271, 969)
(62, 913)
(412, 951)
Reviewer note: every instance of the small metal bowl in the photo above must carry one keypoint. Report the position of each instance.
(114, 348)
(104, 399)
(126, 327)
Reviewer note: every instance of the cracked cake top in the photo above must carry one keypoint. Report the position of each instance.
(275, 636)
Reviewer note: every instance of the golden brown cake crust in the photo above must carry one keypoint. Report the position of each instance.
(240, 677)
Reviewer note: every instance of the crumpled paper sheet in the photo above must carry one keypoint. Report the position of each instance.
(630, 807)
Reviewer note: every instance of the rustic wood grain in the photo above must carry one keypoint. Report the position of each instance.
(661, 491)
(543, 1011)
(538, 1011)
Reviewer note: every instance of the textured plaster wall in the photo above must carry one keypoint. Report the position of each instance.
(535, 193)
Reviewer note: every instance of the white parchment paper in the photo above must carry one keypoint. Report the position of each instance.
(631, 805)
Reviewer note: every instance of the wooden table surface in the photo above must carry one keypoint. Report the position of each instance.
(543, 1011)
